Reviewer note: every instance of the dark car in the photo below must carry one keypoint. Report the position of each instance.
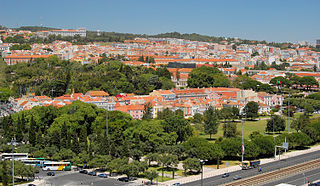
(92, 173)
(31, 184)
(125, 179)
(83, 171)
(103, 175)
(225, 175)
(51, 174)
(176, 184)
(237, 177)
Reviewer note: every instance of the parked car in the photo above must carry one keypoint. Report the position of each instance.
(125, 179)
(237, 177)
(51, 174)
(83, 171)
(225, 175)
(103, 175)
(92, 173)
(176, 184)
(132, 178)
(31, 184)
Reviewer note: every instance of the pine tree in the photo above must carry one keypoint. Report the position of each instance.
(83, 139)
(39, 138)
(19, 133)
(64, 133)
(75, 144)
(32, 132)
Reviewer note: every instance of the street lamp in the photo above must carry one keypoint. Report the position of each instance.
(202, 162)
(242, 145)
(13, 143)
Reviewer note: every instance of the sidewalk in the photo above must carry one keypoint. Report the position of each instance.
(215, 172)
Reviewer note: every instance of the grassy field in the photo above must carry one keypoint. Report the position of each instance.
(251, 126)
(248, 128)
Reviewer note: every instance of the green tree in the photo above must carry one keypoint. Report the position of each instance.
(197, 118)
(32, 132)
(210, 121)
(4, 175)
(147, 112)
(300, 123)
(191, 164)
(251, 109)
(179, 125)
(151, 175)
(275, 123)
(166, 113)
(230, 130)
(207, 77)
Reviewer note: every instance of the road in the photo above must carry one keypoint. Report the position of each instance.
(217, 180)
(72, 178)
(81, 179)
(298, 179)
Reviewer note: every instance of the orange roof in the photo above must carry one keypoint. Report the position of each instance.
(97, 93)
(26, 56)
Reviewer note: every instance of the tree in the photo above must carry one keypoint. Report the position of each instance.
(251, 109)
(207, 77)
(300, 123)
(275, 123)
(169, 161)
(197, 118)
(230, 130)
(265, 144)
(32, 132)
(147, 112)
(210, 121)
(166, 113)
(151, 175)
(217, 153)
(4, 176)
(141, 58)
(152, 157)
(179, 125)
(191, 164)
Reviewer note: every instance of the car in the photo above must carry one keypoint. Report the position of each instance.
(237, 177)
(103, 175)
(176, 184)
(92, 173)
(225, 175)
(51, 174)
(83, 171)
(31, 184)
(125, 179)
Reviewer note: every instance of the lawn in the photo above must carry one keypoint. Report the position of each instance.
(223, 164)
(250, 126)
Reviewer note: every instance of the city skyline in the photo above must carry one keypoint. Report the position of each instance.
(278, 21)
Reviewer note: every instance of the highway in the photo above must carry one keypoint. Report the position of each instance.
(276, 165)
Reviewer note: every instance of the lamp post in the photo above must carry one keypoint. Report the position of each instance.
(13, 143)
(202, 162)
(242, 145)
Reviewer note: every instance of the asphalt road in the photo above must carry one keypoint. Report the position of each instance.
(299, 179)
(276, 165)
(82, 179)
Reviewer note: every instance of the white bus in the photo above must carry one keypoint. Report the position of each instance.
(33, 161)
(56, 166)
(16, 156)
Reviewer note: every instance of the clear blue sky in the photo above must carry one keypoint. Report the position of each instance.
(271, 20)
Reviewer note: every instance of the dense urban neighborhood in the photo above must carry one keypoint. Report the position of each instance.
(153, 109)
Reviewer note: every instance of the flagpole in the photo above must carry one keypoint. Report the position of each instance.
(242, 145)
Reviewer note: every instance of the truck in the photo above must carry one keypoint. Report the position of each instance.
(245, 165)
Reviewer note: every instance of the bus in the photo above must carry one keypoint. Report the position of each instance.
(33, 161)
(16, 156)
(56, 166)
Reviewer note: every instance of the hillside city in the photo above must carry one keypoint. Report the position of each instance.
(165, 109)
